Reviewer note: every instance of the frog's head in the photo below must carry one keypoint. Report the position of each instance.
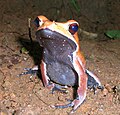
(51, 34)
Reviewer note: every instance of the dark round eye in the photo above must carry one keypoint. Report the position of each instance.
(73, 28)
(37, 22)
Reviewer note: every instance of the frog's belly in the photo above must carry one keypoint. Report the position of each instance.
(61, 74)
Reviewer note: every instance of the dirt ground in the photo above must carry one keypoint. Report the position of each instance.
(26, 95)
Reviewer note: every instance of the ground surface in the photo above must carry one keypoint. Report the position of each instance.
(26, 95)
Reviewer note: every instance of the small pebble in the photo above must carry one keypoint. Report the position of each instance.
(108, 87)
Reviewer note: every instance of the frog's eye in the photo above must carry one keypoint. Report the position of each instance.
(38, 22)
(73, 28)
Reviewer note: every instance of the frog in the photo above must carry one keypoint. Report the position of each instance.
(63, 64)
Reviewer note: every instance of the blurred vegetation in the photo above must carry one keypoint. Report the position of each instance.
(113, 34)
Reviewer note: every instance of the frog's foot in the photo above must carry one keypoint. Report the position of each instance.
(60, 88)
(93, 82)
(56, 87)
(75, 104)
(31, 71)
(81, 95)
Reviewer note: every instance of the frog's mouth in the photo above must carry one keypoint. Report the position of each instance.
(55, 41)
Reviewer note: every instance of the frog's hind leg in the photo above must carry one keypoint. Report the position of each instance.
(93, 81)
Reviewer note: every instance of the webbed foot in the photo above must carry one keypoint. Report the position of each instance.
(93, 82)
(31, 71)
(59, 88)
(81, 95)
(75, 104)
(56, 87)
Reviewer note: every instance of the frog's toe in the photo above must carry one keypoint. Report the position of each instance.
(94, 87)
(60, 88)
(74, 104)
(62, 106)
(31, 71)
(93, 82)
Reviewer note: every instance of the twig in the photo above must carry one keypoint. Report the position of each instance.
(29, 29)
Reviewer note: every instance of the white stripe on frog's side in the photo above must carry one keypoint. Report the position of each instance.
(78, 68)
(45, 78)
(82, 81)
(94, 76)
(75, 57)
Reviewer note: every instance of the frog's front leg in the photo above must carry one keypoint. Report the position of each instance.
(31, 71)
(81, 92)
(82, 84)
(45, 78)
(82, 88)
(80, 97)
